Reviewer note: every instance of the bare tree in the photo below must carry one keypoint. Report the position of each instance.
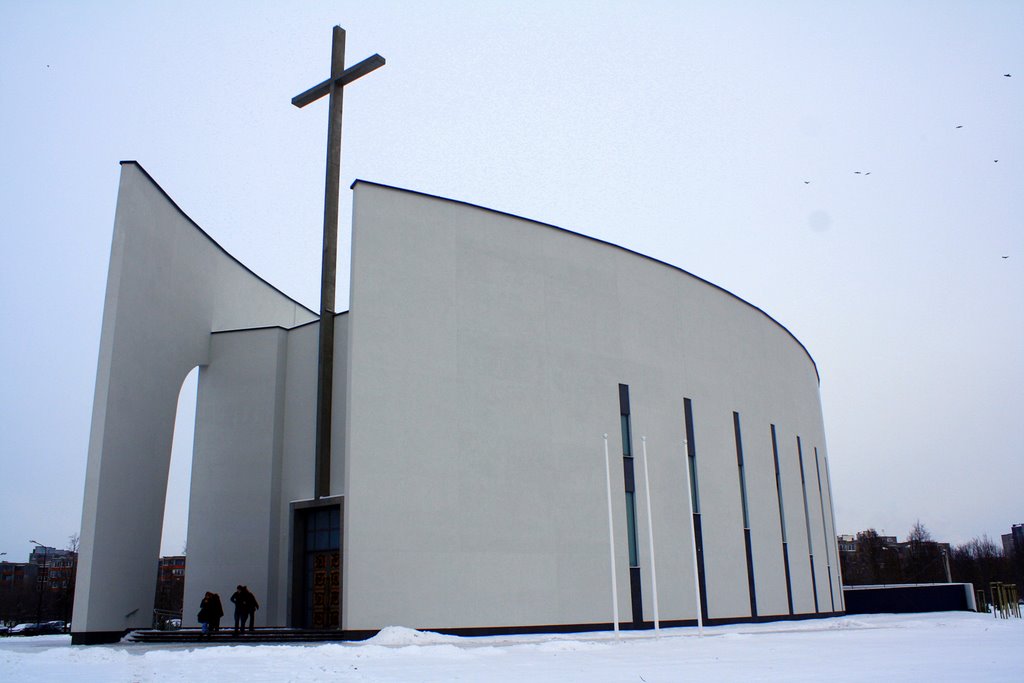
(980, 562)
(924, 557)
(919, 534)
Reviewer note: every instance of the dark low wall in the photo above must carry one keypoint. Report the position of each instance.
(933, 597)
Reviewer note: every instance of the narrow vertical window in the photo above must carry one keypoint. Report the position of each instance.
(824, 531)
(698, 535)
(629, 480)
(691, 456)
(746, 514)
(832, 515)
(631, 526)
(807, 522)
(782, 521)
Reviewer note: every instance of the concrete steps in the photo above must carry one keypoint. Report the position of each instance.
(226, 636)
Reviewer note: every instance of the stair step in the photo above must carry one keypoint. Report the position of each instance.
(227, 636)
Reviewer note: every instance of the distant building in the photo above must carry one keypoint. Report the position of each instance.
(172, 569)
(45, 555)
(1013, 542)
(847, 543)
(18, 596)
(16, 574)
(42, 588)
(170, 584)
(55, 567)
(60, 574)
(875, 559)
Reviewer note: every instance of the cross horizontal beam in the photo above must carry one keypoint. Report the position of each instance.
(347, 76)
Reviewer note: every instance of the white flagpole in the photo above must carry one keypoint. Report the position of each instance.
(611, 537)
(693, 540)
(650, 533)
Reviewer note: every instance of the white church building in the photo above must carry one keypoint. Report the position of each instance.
(482, 361)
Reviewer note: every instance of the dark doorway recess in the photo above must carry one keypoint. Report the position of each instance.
(316, 569)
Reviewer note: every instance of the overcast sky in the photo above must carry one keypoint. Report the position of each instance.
(721, 137)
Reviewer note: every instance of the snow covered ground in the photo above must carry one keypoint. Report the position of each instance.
(947, 646)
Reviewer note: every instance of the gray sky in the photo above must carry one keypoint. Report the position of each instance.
(720, 137)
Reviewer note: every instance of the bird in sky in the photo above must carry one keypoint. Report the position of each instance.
(807, 182)
(995, 161)
(1007, 75)
(959, 126)
(1006, 257)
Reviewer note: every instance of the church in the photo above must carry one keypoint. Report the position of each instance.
(533, 430)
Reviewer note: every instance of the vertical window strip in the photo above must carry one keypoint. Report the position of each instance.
(630, 487)
(739, 465)
(824, 531)
(691, 456)
(627, 438)
(751, 590)
(698, 533)
(631, 525)
(782, 521)
(807, 522)
(832, 516)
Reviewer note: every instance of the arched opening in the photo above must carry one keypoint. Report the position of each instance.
(170, 589)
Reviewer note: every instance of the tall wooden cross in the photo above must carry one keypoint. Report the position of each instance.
(340, 77)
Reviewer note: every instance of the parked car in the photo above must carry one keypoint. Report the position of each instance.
(31, 629)
(55, 626)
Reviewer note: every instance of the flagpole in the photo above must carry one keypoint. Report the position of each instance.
(650, 533)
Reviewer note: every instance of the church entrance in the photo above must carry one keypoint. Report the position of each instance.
(317, 567)
(322, 596)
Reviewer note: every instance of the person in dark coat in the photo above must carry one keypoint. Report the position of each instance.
(217, 611)
(245, 608)
(210, 612)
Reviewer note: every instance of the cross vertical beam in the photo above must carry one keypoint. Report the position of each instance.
(333, 86)
(328, 275)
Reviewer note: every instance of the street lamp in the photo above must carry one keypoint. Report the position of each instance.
(42, 578)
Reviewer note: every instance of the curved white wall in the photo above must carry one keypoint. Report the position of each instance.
(168, 287)
(485, 354)
(483, 357)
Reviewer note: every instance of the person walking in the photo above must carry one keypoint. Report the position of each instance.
(245, 609)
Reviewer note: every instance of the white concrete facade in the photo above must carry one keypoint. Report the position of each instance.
(169, 286)
(476, 371)
(485, 355)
